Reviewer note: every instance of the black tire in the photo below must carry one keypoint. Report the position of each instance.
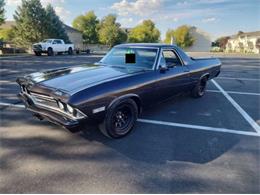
(199, 89)
(38, 53)
(120, 119)
(70, 51)
(50, 51)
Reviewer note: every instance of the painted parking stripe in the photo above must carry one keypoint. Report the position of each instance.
(12, 105)
(239, 109)
(199, 127)
(230, 78)
(233, 92)
(205, 128)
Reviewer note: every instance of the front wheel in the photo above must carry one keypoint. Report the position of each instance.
(199, 89)
(50, 52)
(38, 53)
(70, 51)
(120, 119)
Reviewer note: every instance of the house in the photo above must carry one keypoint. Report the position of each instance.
(7, 25)
(75, 37)
(202, 40)
(244, 42)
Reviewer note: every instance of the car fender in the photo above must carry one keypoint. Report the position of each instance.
(135, 97)
(205, 75)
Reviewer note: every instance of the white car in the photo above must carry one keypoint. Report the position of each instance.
(51, 46)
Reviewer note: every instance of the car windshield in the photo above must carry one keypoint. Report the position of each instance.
(131, 57)
(47, 41)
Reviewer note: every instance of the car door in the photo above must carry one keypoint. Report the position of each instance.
(175, 78)
(55, 46)
(59, 46)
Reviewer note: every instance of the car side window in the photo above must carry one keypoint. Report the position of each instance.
(58, 41)
(171, 58)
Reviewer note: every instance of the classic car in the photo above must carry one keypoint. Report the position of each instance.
(113, 92)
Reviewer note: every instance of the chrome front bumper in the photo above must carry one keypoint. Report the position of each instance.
(50, 115)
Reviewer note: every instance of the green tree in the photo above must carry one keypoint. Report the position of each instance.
(145, 32)
(55, 28)
(2, 12)
(31, 23)
(87, 24)
(181, 35)
(7, 34)
(221, 42)
(109, 31)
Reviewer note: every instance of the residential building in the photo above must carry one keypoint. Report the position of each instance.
(244, 42)
(75, 37)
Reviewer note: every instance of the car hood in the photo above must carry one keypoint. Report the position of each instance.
(76, 78)
(40, 43)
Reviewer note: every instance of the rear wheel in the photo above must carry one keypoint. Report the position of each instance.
(120, 119)
(50, 52)
(199, 89)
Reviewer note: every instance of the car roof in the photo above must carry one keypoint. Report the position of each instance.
(158, 45)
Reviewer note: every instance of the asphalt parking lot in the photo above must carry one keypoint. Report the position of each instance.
(185, 145)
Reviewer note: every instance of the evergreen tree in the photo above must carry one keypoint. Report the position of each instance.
(2, 11)
(55, 28)
(31, 23)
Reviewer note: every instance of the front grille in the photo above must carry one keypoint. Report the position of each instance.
(44, 100)
(40, 99)
(49, 103)
(37, 47)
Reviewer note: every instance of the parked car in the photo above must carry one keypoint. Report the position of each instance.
(51, 46)
(114, 91)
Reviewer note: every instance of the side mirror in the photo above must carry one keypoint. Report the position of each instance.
(163, 69)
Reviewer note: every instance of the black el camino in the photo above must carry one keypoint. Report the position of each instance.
(114, 91)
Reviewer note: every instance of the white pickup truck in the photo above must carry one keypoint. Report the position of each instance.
(52, 46)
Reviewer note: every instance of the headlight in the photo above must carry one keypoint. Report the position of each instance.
(73, 112)
(61, 106)
(70, 109)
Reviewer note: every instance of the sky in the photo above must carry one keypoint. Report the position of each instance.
(216, 17)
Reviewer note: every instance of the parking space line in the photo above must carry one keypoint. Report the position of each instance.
(204, 128)
(12, 105)
(233, 92)
(246, 79)
(239, 109)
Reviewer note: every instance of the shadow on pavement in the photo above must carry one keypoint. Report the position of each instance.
(156, 144)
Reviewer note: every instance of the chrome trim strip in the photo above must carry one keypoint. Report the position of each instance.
(57, 110)
(42, 96)
(43, 99)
